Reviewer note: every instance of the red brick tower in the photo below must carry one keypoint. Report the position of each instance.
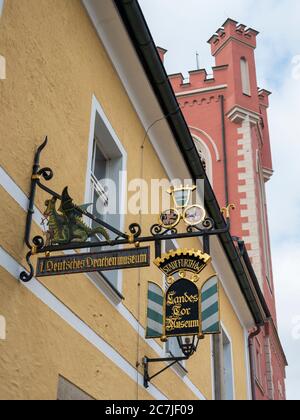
(227, 115)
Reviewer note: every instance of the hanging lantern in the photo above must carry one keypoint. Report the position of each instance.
(188, 345)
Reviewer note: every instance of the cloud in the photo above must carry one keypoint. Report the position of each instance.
(183, 28)
(286, 268)
(284, 189)
(283, 193)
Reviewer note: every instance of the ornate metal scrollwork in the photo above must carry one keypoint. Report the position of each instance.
(38, 242)
(156, 229)
(136, 230)
(67, 224)
(208, 224)
(25, 277)
(70, 215)
(159, 230)
(46, 173)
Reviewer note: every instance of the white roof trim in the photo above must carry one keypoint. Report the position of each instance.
(203, 90)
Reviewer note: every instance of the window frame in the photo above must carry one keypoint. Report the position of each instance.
(114, 150)
(227, 336)
(245, 76)
(95, 183)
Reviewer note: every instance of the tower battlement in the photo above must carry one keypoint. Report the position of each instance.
(263, 96)
(200, 79)
(232, 30)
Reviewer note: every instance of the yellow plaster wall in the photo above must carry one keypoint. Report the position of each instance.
(55, 63)
(31, 361)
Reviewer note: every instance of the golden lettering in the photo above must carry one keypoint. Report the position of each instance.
(173, 324)
(49, 266)
(186, 298)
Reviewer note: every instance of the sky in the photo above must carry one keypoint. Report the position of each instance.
(183, 27)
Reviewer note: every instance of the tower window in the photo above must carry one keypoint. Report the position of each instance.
(245, 77)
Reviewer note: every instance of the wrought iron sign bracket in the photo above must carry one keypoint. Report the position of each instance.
(70, 216)
(38, 245)
(171, 360)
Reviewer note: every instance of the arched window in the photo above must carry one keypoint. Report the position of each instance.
(203, 159)
(205, 156)
(246, 86)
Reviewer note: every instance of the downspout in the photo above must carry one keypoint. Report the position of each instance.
(224, 150)
(252, 360)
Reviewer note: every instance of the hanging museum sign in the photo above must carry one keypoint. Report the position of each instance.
(183, 309)
(94, 262)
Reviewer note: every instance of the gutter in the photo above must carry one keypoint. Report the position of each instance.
(138, 31)
(247, 261)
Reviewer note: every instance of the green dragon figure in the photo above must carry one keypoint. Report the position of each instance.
(66, 224)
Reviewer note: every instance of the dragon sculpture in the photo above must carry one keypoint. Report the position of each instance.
(66, 224)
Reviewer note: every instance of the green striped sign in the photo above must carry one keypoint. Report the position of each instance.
(210, 307)
(155, 311)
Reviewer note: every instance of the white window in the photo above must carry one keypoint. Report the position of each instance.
(223, 367)
(245, 77)
(99, 192)
(228, 368)
(106, 184)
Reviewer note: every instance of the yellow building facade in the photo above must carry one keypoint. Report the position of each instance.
(73, 74)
